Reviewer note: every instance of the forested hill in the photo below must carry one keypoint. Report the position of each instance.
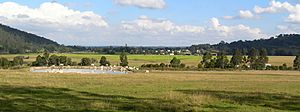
(16, 41)
(284, 44)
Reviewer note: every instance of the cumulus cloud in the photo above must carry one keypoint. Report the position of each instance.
(246, 14)
(72, 27)
(288, 28)
(52, 20)
(228, 17)
(153, 4)
(243, 14)
(281, 7)
(234, 32)
(143, 23)
(52, 13)
(211, 33)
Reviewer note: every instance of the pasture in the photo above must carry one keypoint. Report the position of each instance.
(252, 91)
(138, 60)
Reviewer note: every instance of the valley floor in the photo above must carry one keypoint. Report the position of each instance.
(21, 90)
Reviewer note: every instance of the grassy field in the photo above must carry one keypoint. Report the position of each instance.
(253, 91)
(138, 60)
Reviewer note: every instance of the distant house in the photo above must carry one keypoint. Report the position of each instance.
(214, 54)
(186, 52)
(268, 65)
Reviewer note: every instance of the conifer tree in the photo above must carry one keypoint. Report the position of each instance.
(297, 63)
(123, 59)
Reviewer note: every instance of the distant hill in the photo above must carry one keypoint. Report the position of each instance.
(15, 41)
(284, 44)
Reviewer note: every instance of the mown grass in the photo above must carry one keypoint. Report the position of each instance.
(138, 60)
(238, 91)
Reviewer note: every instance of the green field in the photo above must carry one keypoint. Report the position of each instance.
(138, 60)
(252, 91)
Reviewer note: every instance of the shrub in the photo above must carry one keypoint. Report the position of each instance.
(85, 62)
(104, 62)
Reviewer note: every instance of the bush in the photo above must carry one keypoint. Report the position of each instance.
(175, 62)
(18, 61)
(182, 65)
(85, 62)
(4, 63)
(53, 60)
(104, 62)
(40, 61)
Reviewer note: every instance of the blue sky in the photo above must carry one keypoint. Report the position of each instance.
(152, 22)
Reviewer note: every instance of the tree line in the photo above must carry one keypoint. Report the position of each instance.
(54, 60)
(175, 64)
(281, 45)
(255, 60)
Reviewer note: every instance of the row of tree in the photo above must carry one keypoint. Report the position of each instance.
(255, 60)
(175, 63)
(47, 60)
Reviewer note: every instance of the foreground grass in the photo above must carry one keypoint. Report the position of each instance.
(138, 60)
(263, 91)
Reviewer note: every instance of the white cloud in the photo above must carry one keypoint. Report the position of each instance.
(246, 14)
(71, 27)
(235, 32)
(50, 13)
(154, 4)
(228, 17)
(279, 7)
(243, 14)
(143, 23)
(166, 29)
(288, 28)
(52, 20)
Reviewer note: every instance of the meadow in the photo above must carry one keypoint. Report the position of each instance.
(138, 60)
(240, 91)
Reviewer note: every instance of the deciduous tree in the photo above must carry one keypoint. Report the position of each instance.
(237, 58)
(104, 62)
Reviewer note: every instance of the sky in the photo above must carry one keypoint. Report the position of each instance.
(151, 22)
